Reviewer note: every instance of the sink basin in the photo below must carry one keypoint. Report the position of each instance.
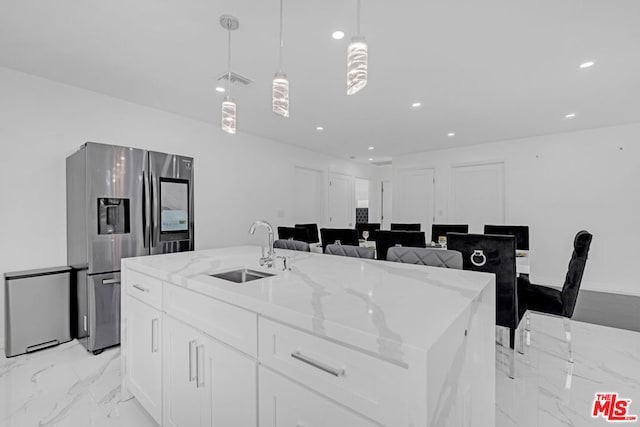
(242, 275)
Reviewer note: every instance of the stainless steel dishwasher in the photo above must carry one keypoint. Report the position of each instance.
(37, 309)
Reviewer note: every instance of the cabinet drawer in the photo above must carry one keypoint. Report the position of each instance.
(145, 288)
(284, 403)
(232, 325)
(365, 383)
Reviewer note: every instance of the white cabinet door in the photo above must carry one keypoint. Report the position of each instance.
(144, 357)
(342, 199)
(228, 381)
(284, 403)
(181, 398)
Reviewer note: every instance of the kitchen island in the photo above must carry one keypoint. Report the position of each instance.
(334, 341)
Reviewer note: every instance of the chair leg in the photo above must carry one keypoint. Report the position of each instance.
(567, 333)
(520, 344)
(512, 355)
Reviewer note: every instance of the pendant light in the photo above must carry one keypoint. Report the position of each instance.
(228, 122)
(357, 60)
(280, 84)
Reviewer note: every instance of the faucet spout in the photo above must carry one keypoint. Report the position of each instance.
(268, 260)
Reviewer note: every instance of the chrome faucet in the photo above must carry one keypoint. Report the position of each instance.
(270, 258)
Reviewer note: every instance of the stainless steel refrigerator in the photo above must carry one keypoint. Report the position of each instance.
(121, 202)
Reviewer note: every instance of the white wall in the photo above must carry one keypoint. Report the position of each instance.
(237, 178)
(559, 184)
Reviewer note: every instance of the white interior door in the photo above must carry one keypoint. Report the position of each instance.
(415, 197)
(477, 195)
(387, 205)
(308, 206)
(341, 201)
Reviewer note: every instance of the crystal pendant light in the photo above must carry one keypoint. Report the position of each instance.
(357, 60)
(228, 122)
(280, 84)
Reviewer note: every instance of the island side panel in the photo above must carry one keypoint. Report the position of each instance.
(125, 393)
(461, 368)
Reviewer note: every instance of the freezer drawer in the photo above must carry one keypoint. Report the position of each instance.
(37, 309)
(99, 298)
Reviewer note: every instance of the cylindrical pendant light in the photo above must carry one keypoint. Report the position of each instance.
(280, 84)
(357, 60)
(228, 121)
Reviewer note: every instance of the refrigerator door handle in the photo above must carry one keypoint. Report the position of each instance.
(154, 209)
(146, 208)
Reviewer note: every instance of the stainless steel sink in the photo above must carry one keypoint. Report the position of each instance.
(242, 275)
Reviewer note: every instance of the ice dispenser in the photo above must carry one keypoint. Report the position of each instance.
(113, 216)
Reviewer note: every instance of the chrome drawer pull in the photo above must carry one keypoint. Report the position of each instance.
(323, 367)
(110, 281)
(154, 335)
(192, 360)
(200, 366)
(140, 288)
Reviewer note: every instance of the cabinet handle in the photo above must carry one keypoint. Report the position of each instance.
(322, 366)
(154, 335)
(200, 366)
(140, 288)
(192, 363)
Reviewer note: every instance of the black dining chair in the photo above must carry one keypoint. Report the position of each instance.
(556, 302)
(441, 230)
(312, 229)
(497, 255)
(426, 256)
(404, 227)
(521, 233)
(293, 233)
(371, 227)
(292, 245)
(386, 239)
(350, 251)
(341, 236)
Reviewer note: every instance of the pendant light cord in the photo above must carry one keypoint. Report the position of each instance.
(281, 39)
(358, 18)
(229, 58)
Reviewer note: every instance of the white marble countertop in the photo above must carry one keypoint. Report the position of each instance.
(385, 308)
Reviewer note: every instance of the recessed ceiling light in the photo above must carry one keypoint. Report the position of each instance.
(570, 116)
(587, 64)
(319, 128)
(416, 104)
(220, 89)
(337, 35)
(370, 159)
(370, 148)
(450, 134)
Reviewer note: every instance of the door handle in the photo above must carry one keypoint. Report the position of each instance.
(140, 288)
(110, 281)
(146, 209)
(192, 362)
(154, 335)
(200, 366)
(154, 210)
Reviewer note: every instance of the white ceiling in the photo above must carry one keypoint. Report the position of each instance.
(486, 70)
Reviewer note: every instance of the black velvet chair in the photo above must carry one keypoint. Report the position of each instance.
(345, 236)
(350, 251)
(497, 255)
(426, 256)
(293, 233)
(438, 230)
(521, 233)
(371, 227)
(556, 302)
(386, 239)
(292, 245)
(312, 229)
(405, 227)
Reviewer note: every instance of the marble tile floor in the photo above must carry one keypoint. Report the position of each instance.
(67, 386)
